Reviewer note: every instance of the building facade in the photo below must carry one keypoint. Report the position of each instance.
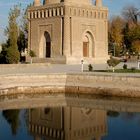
(69, 31)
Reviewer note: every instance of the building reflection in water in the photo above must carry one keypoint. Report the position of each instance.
(67, 123)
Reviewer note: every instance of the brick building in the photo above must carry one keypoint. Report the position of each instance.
(68, 31)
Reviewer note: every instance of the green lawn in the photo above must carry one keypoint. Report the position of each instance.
(120, 70)
(127, 71)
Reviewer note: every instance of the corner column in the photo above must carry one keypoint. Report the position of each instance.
(29, 33)
(66, 36)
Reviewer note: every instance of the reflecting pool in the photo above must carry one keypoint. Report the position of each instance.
(73, 121)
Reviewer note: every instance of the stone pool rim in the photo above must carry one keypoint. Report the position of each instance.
(30, 85)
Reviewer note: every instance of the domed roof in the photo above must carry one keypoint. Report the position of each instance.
(98, 3)
(69, 1)
(37, 3)
(87, 2)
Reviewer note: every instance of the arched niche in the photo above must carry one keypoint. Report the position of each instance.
(88, 44)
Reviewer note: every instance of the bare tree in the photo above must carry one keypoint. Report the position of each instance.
(131, 13)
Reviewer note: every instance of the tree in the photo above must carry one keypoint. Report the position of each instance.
(116, 34)
(17, 34)
(22, 41)
(136, 46)
(131, 14)
(13, 55)
(131, 31)
(23, 33)
(127, 40)
(132, 38)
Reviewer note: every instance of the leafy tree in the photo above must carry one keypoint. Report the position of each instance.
(134, 33)
(23, 33)
(17, 34)
(131, 32)
(22, 41)
(116, 34)
(136, 46)
(132, 38)
(127, 40)
(13, 55)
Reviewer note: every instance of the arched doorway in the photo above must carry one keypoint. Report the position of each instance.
(85, 46)
(88, 45)
(47, 44)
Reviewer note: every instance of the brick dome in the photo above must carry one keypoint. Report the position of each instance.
(69, 1)
(37, 3)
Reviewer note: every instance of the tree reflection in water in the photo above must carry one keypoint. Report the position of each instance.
(12, 117)
(113, 113)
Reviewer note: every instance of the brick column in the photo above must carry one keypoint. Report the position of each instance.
(37, 137)
(98, 138)
(106, 36)
(66, 36)
(29, 35)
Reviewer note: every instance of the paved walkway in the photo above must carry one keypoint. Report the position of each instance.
(52, 68)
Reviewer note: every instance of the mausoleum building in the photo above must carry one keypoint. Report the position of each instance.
(68, 31)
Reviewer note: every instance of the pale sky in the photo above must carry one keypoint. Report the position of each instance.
(115, 8)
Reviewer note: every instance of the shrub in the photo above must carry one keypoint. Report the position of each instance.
(133, 68)
(32, 53)
(112, 63)
(125, 66)
(90, 67)
(2, 59)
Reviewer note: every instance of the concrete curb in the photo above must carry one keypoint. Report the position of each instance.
(24, 86)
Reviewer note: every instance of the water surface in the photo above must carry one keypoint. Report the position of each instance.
(73, 122)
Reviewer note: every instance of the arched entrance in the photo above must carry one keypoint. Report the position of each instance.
(47, 44)
(85, 47)
(88, 45)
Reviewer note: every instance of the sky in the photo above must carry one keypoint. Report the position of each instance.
(115, 8)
